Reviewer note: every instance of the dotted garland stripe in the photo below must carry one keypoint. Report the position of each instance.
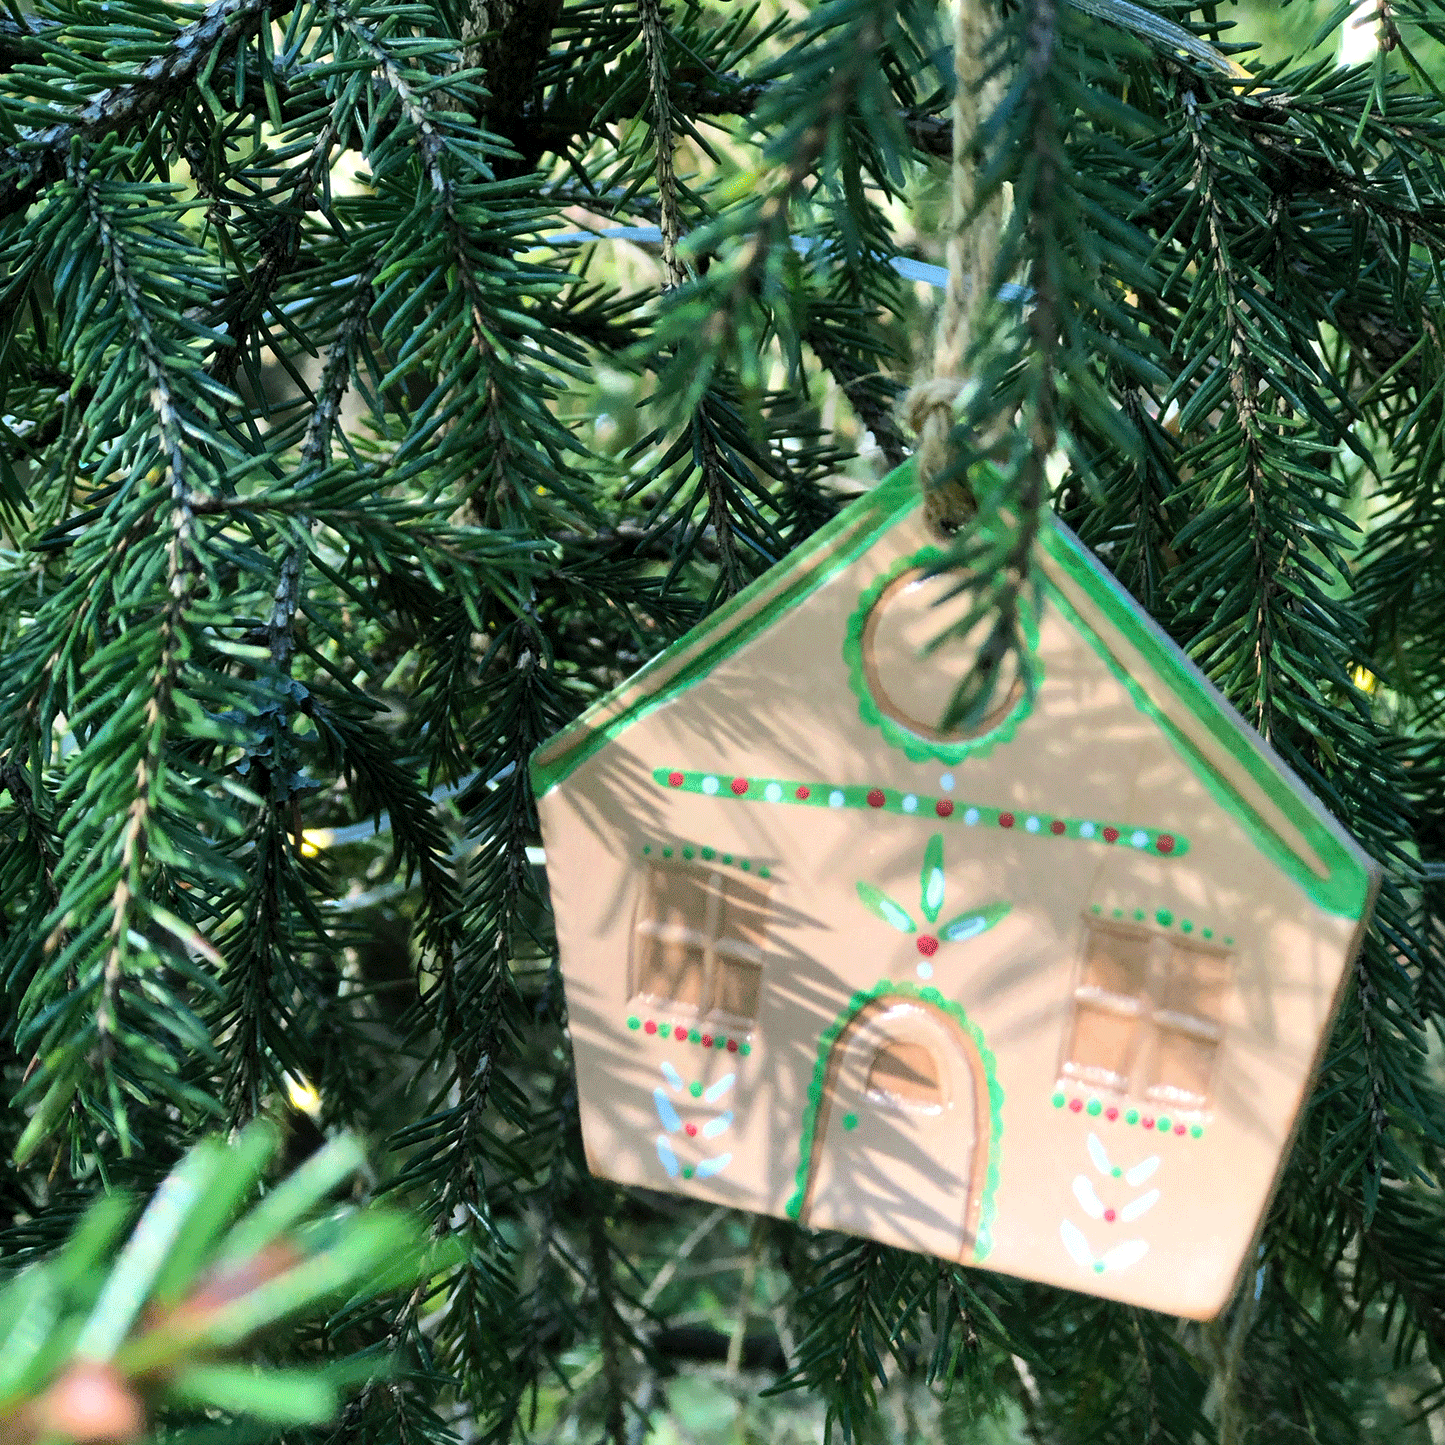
(1094, 1107)
(689, 852)
(906, 804)
(1164, 918)
(687, 1034)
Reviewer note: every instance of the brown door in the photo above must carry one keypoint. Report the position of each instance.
(897, 1134)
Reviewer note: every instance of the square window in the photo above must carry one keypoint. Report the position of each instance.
(680, 899)
(1102, 1043)
(1181, 1067)
(736, 985)
(1116, 962)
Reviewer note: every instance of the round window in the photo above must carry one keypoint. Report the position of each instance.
(913, 682)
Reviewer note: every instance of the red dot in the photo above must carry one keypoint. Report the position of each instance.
(1005, 820)
(1147, 1121)
(1111, 835)
(707, 1041)
(1179, 1128)
(875, 797)
(1056, 827)
(691, 1130)
(674, 780)
(732, 1046)
(1108, 1213)
(649, 1027)
(739, 786)
(943, 807)
(1164, 843)
(1111, 1114)
(802, 791)
(1076, 1104)
(928, 945)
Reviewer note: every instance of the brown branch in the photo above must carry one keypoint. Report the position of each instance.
(39, 160)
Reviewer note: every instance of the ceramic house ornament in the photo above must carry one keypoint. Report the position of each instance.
(1045, 998)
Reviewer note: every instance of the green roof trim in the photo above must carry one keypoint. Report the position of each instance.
(691, 658)
(1322, 859)
(1346, 885)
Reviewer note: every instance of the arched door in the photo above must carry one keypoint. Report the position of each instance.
(898, 1132)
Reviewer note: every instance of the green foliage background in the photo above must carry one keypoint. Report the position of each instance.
(329, 488)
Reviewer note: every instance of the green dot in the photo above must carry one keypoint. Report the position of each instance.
(1058, 1101)
(1098, 1266)
(764, 873)
(693, 1037)
(850, 1121)
(667, 852)
(1096, 909)
(1118, 913)
(745, 865)
(1162, 1124)
(1117, 1172)
(662, 1031)
(719, 1042)
(1164, 916)
(1228, 941)
(1187, 925)
(1139, 915)
(695, 1089)
(1197, 1132)
(1132, 1117)
(634, 1022)
(1094, 1107)
(687, 852)
(687, 1172)
(745, 1048)
(647, 847)
(1209, 933)
(727, 857)
(709, 853)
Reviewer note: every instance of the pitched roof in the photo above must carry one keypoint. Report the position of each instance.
(1239, 770)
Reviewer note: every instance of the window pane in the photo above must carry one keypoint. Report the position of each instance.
(1101, 1045)
(1181, 1069)
(744, 916)
(669, 971)
(1197, 983)
(736, 987)
(905, 1074)
(678, 898)
(1117, 962)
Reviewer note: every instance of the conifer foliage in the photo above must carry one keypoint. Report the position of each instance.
(330, 487)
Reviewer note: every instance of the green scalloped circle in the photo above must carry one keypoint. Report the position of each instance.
(983, 1241)
(920, 749)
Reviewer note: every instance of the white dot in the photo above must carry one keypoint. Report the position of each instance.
(773, 792)
(709, 785)
(946, 782)
(1139, 839)
(1032, 824)
(925, 970)
(835, 799)
(910, 804)
(1086, 830)
(971, 817)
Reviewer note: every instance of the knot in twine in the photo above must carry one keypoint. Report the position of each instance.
(928, 411)
(930, 408)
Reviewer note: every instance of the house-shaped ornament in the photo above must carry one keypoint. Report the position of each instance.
(1045, 998)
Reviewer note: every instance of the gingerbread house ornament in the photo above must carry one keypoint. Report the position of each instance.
(1046, 997)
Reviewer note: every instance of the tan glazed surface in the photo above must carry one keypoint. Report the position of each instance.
(931, 1002)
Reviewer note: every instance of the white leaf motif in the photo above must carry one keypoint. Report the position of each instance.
(1142, 1205)
(1123, 1255)
(1142, 1171)
(1089, 1201)
(1099, 1155)
(1076, 1244)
